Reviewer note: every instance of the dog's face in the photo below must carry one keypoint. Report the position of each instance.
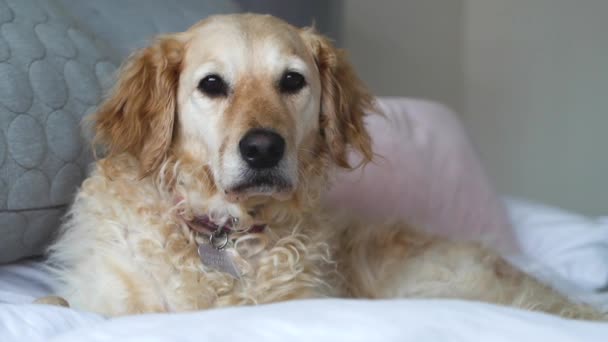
(261, 105)
(249, 98)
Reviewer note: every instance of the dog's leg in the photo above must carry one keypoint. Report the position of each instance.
(52, 300)
(391, 262)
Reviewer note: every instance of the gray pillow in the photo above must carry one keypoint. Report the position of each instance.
(127, 25)
(51, 75)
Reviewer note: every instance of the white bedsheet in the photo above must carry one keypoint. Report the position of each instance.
(321, 320)
(565, 249)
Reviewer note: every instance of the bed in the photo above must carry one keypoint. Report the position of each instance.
(574, 257)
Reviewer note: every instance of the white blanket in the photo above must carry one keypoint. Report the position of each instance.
(322, 320)
(568, 250)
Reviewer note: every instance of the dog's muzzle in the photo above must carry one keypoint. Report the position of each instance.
(263, 151)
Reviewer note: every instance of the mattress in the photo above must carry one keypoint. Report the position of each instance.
(567, 250)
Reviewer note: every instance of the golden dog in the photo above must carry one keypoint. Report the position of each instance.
(219, 142)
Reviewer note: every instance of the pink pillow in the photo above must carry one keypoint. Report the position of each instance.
(427, 173)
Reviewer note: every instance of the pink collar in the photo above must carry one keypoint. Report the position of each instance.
(203, 224)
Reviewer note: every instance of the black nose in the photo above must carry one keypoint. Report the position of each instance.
(261, 148)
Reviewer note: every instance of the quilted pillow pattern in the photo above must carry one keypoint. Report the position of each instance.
(51, 75)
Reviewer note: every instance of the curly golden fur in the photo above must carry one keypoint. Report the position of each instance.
(126, 246)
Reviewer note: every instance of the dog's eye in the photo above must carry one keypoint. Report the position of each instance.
(213, 86)
(292, 82)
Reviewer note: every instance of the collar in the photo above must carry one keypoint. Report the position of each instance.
(204, 225)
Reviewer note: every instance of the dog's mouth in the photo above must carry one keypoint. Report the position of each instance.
(260, 184)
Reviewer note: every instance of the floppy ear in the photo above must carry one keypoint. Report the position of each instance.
(139, 114)
(344, 101)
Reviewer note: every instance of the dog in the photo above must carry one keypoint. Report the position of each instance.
(218, 144)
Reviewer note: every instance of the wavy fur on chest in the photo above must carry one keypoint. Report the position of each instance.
(125, 249)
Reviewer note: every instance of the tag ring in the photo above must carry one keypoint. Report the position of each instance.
(219, 239)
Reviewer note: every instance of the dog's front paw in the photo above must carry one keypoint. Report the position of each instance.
(52, 300)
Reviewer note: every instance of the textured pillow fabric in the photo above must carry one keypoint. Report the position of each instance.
(127, 25)
(426, 173)
(51, 74)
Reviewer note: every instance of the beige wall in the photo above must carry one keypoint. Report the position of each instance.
(536, 97)
(530, 78)
(406, 47)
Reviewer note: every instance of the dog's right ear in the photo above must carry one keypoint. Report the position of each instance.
(139, 115)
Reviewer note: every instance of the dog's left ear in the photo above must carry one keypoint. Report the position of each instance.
(344, 101)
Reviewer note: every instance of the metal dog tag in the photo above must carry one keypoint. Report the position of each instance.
(218, 259)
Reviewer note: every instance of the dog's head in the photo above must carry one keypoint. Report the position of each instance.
(262, 106)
